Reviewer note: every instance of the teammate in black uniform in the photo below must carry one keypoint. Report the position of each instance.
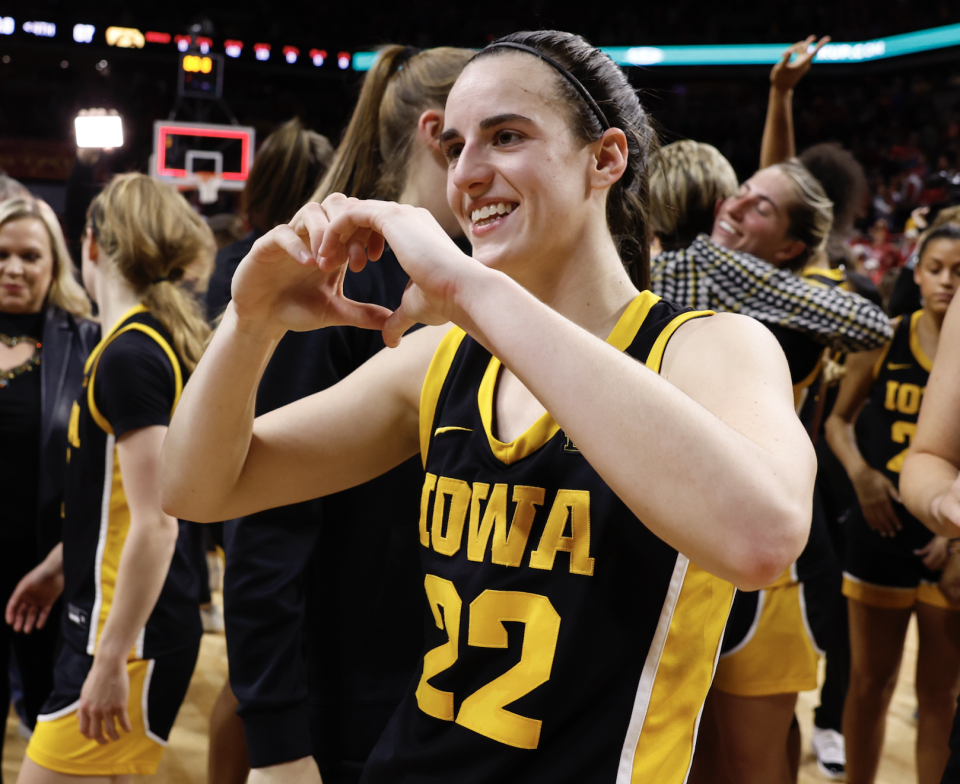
(289, 564)
(567, 640)
(131, 624)
(893, 561)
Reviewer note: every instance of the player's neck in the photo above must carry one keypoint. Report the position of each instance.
(114, 297)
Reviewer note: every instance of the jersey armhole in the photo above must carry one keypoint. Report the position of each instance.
(878, 366)
(98, 417)
(655, 357)
(433, 385)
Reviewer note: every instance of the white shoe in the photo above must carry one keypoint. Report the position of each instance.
(831, 753)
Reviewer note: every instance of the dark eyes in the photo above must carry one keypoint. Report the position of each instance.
(29, 256)
(504, 138)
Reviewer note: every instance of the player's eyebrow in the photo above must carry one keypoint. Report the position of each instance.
(486, 124)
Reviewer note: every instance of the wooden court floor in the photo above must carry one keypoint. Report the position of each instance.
(185, 761)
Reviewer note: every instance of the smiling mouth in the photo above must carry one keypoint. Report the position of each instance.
(490, 212)
(728, 228)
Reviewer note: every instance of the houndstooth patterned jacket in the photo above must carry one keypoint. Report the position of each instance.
(705, 276)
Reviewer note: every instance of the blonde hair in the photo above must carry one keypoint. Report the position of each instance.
(153, 237)
(686, 180)
(372, 159)
(810, 213)
(65, 292)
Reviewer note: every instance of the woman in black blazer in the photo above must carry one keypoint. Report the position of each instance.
(45, 338)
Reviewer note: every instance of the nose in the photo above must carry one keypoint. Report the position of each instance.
(12, 265)
(472, 173)
(737, 205)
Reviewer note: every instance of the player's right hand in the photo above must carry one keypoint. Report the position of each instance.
(279, 287)
(32, 599)
(876, 493)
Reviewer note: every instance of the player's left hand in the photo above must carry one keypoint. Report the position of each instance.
(437, 267)
(935, 554)
(103, 701)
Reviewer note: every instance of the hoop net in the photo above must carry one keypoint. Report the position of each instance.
(208, 184)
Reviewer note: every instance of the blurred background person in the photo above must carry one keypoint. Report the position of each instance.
(45, 338)
(893, 563)
(131, 628)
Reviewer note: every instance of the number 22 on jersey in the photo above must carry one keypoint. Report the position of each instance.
(484, 711)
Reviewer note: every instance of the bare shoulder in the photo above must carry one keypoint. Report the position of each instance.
(724, 346)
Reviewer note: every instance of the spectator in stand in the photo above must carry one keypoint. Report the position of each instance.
(226, 228)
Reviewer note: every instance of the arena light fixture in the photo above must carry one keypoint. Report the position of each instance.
(40, 29)
(83, 33)
(204, 44)
(262, 51)
(762, 54)
(290, 54)
(7, 25)
(154, 37)
(232, 48)
(318, 56)
(100, 131)
(343, 60)
(183, 42)
(125, 37)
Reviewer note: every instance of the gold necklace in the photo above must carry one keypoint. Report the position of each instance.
(8, 375)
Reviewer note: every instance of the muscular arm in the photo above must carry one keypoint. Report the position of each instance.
(149, 546)
(219, 462)
(710, 455)
(929, 480)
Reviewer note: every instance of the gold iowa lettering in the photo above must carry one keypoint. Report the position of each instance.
(454, 515)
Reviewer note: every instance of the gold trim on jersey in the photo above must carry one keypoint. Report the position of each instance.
(676, 678)
(546, 427)
(115, 332)
(919, 354)
(433, 384)
(655, 358)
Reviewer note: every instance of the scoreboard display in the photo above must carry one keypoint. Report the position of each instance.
(201, 76)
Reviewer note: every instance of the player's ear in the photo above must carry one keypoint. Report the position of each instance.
(429, 128)
(93, 247)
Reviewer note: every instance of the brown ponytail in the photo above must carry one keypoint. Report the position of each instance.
(628, 201)
(371, 161)
(154, 238)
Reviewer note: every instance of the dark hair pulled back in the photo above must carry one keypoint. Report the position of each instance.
(628, 201)
(946, 231)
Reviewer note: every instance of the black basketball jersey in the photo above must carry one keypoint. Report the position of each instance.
(564, 642)
(888, 422)
(134, 362)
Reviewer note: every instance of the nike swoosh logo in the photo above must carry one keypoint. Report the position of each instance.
(897, 366)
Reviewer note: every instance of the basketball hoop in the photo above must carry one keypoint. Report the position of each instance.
(208, 184)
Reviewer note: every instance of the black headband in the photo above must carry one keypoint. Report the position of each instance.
(573, 80)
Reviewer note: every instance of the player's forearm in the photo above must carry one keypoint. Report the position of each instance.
(778, 144)
(209, 437)
(842, 441)
(144, 563)
(700, 485)
(924, 478)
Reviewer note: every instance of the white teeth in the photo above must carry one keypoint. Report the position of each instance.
(490, 211)
(727, 227)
